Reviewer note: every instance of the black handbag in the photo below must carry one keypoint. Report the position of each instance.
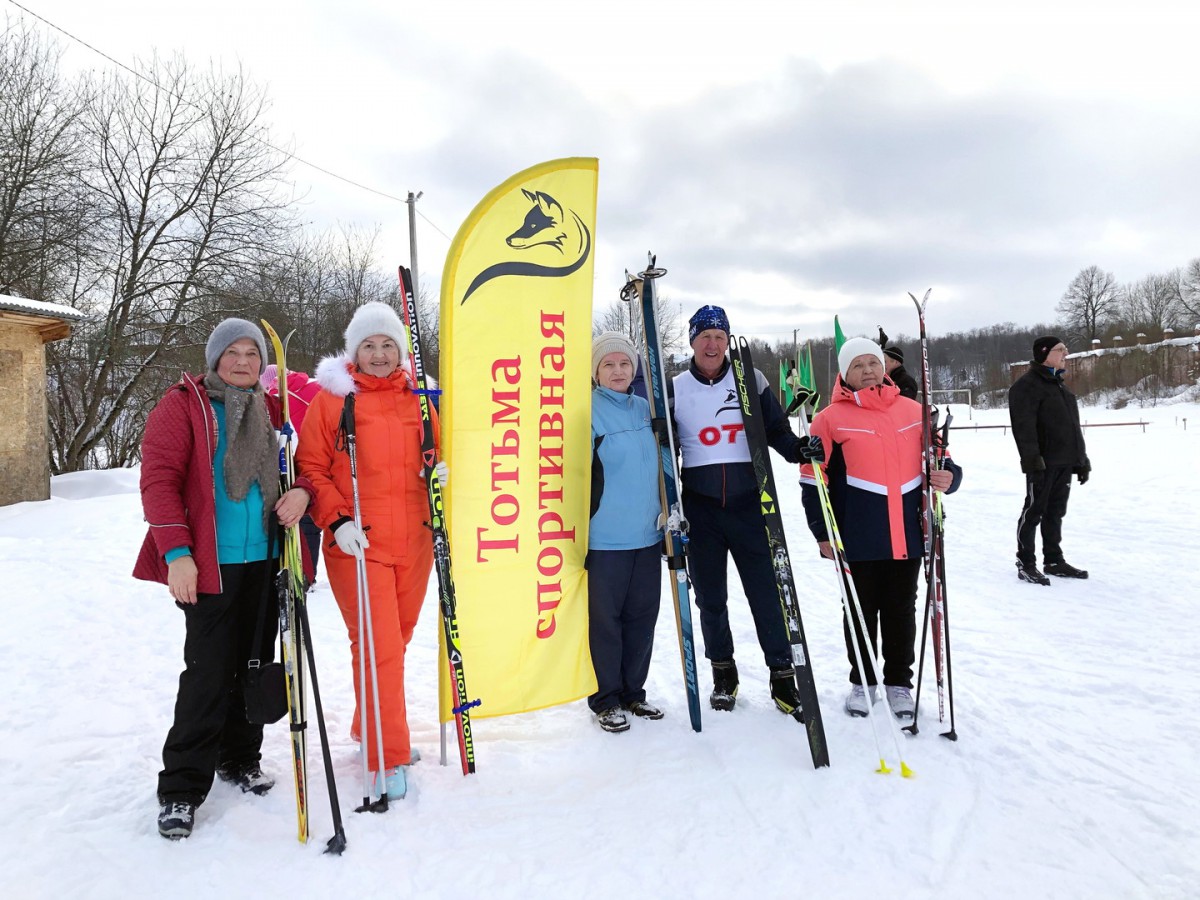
(264, 685)
(264, 689)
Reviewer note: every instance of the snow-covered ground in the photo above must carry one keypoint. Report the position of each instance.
(1075, 774)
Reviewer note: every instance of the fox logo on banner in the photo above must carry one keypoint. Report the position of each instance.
(516, 335)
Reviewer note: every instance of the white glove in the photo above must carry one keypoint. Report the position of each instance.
(350, 540)
(443, 473)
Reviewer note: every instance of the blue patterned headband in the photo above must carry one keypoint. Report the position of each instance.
(707, 317)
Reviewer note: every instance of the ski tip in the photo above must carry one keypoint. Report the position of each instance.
(883, 769)
(905, 771)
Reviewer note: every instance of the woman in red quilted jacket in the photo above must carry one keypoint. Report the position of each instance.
(211, 495)
(394, 542)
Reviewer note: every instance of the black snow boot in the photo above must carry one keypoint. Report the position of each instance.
(176, 819)
(248, 776)
(725, 685)
(783, 692)
(1064, 569)
(1029, 572)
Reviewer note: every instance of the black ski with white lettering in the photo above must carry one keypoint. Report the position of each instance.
(809, 712)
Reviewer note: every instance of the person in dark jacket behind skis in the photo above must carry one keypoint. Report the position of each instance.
(210, 492)
(875, 477)
(720, 500)
(893, 364)
(624, 553)
(1045, 425)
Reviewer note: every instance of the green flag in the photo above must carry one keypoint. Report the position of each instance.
(785, 384)
(804, 369)
(838, 337)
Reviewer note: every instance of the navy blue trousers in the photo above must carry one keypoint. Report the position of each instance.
(210, 727)
(735, 529)
(623, 599)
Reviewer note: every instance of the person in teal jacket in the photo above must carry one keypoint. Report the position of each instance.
(624, 555)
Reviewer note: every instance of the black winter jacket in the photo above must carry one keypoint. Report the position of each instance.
(1045, 422)
(907, 384)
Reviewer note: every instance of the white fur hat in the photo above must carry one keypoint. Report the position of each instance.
(855, 347)
(375, 318)
(611, 342)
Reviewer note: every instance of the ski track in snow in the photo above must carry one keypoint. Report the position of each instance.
(1074, 774)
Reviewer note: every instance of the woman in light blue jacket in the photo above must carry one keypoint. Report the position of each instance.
(624, 555)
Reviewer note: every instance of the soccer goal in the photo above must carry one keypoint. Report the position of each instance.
(958, 395)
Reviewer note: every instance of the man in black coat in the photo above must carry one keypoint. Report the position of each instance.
(1045, 424)
(893, 367)
(893, 363)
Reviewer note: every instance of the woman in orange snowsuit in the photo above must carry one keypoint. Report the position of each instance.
(394, 540)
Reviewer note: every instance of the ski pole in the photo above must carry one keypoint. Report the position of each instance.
(850, 605)
(364, 623)
(337, 843)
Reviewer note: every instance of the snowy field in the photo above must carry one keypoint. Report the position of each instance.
(1075, 775)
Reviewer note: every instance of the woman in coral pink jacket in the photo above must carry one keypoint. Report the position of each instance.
(872, 438)
(394, 541)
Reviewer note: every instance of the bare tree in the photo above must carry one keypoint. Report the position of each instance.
(1154, 303)
(1189, 289)
(190, 196)
(43, 208)
(1090, 301)
(626, 318)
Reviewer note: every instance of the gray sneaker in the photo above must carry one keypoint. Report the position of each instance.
(900, 699)
(856, 700)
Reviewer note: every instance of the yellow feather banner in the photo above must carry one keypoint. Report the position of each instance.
(515, 344)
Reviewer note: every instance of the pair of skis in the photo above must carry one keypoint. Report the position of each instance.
(675, 525)
(441, 540)
(809, 712)
(295, 633)
(934, 442)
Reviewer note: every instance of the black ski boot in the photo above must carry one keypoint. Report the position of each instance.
(725, 685)
(1064, 569)
(783, 692)
(1029, 572)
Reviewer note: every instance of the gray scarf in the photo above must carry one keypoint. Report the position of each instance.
(251, 450)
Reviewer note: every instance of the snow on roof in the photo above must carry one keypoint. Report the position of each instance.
(38, 308)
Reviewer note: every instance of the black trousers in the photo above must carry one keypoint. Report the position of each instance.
(736, 529)
(1046, 495)
(887, 592)
(210, 727)
(624, 587)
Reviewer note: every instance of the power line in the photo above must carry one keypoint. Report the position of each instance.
(270, 146)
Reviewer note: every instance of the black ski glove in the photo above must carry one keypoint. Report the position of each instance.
(812, 450)
(659, 427)
(1083, 473)
(1032, 465)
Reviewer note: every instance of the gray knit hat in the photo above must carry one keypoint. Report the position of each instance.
(226, 333)
(611, 342)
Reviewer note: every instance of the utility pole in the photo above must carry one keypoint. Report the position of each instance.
(412, 241)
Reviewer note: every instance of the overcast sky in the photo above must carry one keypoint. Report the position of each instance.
(787, 160)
